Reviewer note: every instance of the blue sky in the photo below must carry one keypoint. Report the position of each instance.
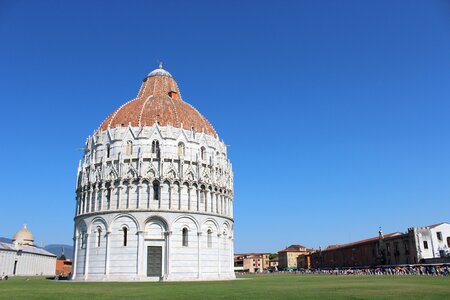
(336, 112)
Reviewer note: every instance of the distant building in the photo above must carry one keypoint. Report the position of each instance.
(63, 265)
(433, 242)
(22, 257)
(392, 248)
(287, 258)
(429, 244)
(304, 261)
(251, 262)
(273, 264)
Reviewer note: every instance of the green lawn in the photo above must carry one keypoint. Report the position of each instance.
(249, 287)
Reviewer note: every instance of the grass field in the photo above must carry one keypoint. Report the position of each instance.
(249, 287)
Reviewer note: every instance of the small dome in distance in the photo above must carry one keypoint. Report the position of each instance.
(23, 237)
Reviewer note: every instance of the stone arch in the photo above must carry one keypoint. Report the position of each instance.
(80, 239)
(123, 243)
(197, 225)
(131, 217)
(190, 176)
(225, 228)
(171, 174)
(130, 173)
(186, 182)
(99, 220)
(79, 226)
(160, 219)
(184, 234)
(151, 173)
(210, 223)
(155, 227)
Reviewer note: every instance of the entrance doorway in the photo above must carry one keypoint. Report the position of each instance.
(15, 267)
(154, 261)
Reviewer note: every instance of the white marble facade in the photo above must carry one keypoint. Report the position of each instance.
(154, 188)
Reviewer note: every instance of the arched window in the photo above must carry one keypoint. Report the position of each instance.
(203, 153)
(108, 150)
(83, 238)
(108, 194)
(129, 149)
(155, 190)
(202, 194)
(155, 148)
(180, 149)
(99, 236)
(209, 238)
(185, 237)
(125, 236)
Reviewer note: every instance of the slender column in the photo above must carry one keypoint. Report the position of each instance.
(86, 258)
(127, 204)
(138, 194)
(140, 252)
(226, 206)
(108, 242)
(170, 195)
(84, 201)
(149, 193)
(102, 196)
(231, 207)
(199, 234)
(231, 254)
(206, 199)
(212, 200)
(119, 194)
(75, 257)
(189, 197)
(160, 195)
(94, 197)
(108, 199)
(167, 270)
(218, 254)
(90, 199)
(217, 202)
(180, 186)
(78, 205)
(198, 199)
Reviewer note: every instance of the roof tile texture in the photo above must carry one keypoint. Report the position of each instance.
(159, 101)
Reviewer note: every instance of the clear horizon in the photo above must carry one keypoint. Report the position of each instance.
(335, 113)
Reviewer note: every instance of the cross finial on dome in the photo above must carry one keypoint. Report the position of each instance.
(159, 71)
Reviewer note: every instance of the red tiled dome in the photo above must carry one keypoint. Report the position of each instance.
(159, 101)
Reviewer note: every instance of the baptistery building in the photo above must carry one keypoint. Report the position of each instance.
(154, 193)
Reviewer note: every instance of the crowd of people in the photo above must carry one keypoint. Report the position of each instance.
(430, 270)
(436, 270)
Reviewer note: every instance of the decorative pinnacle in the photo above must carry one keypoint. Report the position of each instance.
(160, 64)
